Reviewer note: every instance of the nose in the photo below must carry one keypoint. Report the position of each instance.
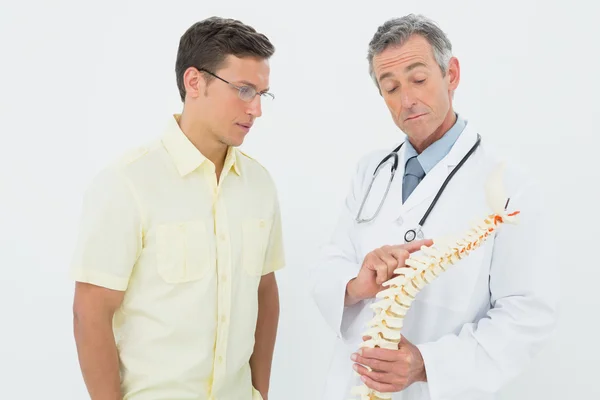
(255, 107)
(408, 98)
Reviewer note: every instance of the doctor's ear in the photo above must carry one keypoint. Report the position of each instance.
(453, 74)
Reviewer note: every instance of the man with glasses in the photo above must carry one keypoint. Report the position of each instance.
(175, 293)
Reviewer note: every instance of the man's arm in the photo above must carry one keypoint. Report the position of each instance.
(109, 242)
(377, 267)
(341, 280)
(268, 306)
(266, 332)
(93, 310)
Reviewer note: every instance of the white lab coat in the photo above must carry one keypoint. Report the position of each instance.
(478, 324)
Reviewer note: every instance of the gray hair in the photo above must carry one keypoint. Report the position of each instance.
(395, 32)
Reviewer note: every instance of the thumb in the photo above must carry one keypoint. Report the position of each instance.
(404, 342)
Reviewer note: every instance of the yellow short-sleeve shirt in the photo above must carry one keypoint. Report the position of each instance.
(189, 253)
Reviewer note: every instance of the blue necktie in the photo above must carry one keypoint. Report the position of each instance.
(413, 174)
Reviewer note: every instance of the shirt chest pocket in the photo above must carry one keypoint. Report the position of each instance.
(183, 251)
(255, 241)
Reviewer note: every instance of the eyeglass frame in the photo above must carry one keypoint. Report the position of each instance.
(240, 88)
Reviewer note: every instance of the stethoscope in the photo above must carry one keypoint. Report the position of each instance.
(392, 158)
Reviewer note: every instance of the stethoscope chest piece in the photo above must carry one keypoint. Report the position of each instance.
(412, 234)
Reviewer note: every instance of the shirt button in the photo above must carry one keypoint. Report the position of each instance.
(223, 278)
(262, 224)
(220, 359)
(223, 237)
(223, 318)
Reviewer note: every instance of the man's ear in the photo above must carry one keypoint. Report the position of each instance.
(194, 82)
(453, 74)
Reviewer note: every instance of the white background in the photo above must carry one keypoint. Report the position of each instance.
(80, 82)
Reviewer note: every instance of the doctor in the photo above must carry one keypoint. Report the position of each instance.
(481, 322)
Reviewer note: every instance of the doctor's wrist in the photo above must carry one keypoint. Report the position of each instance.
(351, 297)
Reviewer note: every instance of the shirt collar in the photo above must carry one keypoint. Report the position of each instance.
(435, 152)
(186, 156)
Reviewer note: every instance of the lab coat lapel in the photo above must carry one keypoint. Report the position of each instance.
(432, 182)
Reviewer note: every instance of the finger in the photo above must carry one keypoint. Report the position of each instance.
(377, 376)
(373, 260)
(405, 344)
(380, 387)
(380, 354)
(375, 265)
(380, 273)
(398, 261)
(388, 261)
(403, 341)
(400, 255)
(411, 247)
(386, 257)
(374, 364)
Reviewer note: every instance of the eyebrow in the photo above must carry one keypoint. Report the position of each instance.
(414, 65)
(386, 75)
(407, 69)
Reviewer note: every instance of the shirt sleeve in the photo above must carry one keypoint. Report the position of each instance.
(484, 355)
(275, 254)
(336, 266)
(109, 240)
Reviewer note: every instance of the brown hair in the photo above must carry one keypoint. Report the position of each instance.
(207, 43)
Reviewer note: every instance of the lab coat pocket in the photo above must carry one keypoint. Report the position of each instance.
(183, 253)
(255, 236)
(453, 289)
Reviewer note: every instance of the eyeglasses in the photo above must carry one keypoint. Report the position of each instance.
(246, 93)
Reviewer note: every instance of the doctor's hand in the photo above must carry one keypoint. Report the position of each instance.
(392, 370)
(378, 267)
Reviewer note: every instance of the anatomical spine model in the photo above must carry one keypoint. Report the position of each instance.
(421, 269)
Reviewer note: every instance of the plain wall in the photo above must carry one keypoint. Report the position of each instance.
(81, 82)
